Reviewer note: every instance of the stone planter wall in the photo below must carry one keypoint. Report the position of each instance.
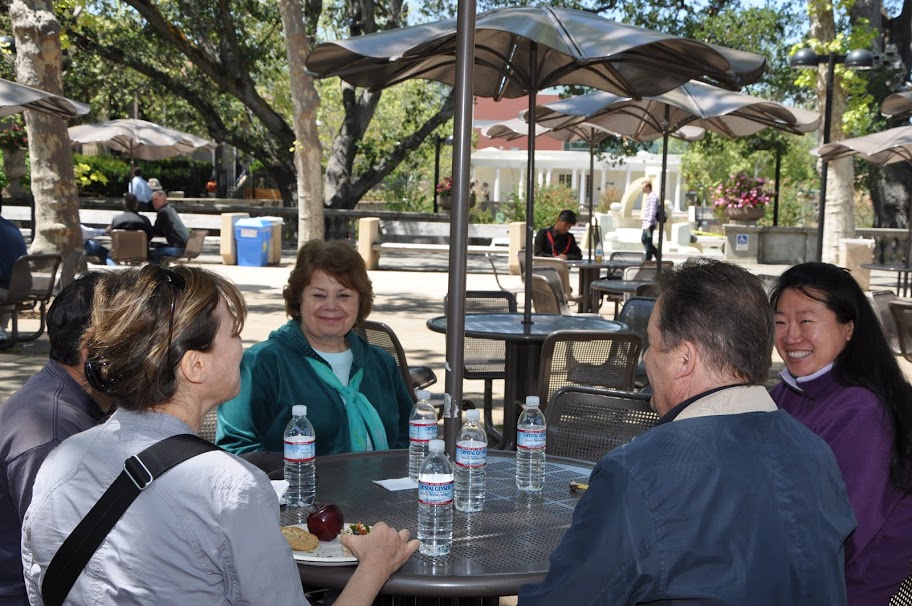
(770, 245)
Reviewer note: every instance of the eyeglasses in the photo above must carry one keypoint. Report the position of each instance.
(176, 282)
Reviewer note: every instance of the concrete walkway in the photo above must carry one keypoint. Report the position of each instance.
(405, 296)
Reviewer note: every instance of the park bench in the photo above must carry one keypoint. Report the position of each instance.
(378, 235)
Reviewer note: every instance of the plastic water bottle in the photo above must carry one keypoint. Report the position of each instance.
(471, 460)
(599, 253)
(422, 429)
(530, 447)
(300, 450)
(435, 502)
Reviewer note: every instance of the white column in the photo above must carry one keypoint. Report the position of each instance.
(679, 199)
(521, 190)
(583, 198)
(496, 193)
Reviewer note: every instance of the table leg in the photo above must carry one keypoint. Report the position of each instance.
(522, 380)
(588, 300)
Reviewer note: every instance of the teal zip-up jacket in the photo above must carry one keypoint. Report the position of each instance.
(275, 376)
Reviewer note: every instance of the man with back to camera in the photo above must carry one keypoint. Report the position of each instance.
(649, 217)
(728, 500)
(55, 403)
(12, 246)
(140, 188)
(130, 219)
(556, 240)
(168, 224)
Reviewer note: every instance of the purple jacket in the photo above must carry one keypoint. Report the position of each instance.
(856, 426)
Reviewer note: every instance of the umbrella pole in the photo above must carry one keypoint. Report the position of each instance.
(459, 224)
(591, 182)
(661, 207)
(530, 190)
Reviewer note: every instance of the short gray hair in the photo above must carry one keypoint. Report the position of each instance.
(724, 310)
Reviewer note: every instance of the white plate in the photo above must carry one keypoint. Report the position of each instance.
(327, 553)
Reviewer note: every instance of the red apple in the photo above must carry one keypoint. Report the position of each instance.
(326, 522)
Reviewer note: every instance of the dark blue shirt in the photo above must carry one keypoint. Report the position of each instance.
(12, 246)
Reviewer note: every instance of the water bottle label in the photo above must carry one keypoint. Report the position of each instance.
(470, 455)
(300, 449)
(530, 439)
(422, 431)
(435, 493)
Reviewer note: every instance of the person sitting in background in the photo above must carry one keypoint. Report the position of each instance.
(165, 346)
(139, 187)
(155, 185)
(355, 395)
(556, 240)
(727, 500)
(55, 403)
(12, 246)
(842, 381)
(130, 219)
(168, 224)
(93, 248)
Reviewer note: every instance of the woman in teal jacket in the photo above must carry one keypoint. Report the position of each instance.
(355, 396)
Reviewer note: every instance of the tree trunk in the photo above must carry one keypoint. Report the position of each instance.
(37, 36)
(308, 154)
(839, 220)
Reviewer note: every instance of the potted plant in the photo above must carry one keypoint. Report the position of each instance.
(445, 193)
(741, 198)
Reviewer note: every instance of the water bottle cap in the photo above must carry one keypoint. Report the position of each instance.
(532, 401)
(423, 394)
(472, 414)
(299, 410)
(436, 446)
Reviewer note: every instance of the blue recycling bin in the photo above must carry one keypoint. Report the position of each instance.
(253, 237)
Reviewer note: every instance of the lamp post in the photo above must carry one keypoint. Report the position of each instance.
(806, 58)
(438, 141)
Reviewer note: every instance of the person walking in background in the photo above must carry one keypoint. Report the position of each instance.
(842, 381)
(556, 240)
(12, 246)
(648, 214)
(55, 403)
(140, 188)
(169, 225)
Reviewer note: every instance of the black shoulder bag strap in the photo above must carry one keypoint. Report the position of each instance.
(139, 472)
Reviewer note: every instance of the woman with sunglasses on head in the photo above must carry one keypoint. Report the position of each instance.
(165, 346)
(842, 381)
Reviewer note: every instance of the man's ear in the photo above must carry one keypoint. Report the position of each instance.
(193, 366)
(685, 357)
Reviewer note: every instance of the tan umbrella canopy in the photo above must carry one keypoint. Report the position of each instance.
(897, 105)
(138, 138)
(694, 104)
(886, 147)
(15, 98)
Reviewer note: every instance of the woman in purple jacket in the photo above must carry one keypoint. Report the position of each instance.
(842, 381)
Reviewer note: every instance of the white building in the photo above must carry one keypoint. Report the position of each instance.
(504, 170)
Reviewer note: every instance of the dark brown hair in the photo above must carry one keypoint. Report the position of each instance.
(336, 259)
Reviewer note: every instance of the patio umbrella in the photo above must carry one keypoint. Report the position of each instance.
(897, 105)
(886, 147)
(138, 138)
(521, 50)
(592, 134)
(727, 113)
(511, 52)
(15, 97)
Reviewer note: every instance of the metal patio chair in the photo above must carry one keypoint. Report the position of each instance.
(901, 312)
(32, 283)
(635, 314)
(381, 335)
(584, 358)
(129, 247)
(587, 423)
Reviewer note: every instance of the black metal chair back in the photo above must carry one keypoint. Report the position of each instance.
(587, 423)
(32, 283)
(381, 335)
(901, 312)
(588, 358)
(880, 301)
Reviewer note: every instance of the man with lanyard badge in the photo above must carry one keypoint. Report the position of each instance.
(556, 240)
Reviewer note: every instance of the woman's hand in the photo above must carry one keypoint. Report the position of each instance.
(383, 548)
